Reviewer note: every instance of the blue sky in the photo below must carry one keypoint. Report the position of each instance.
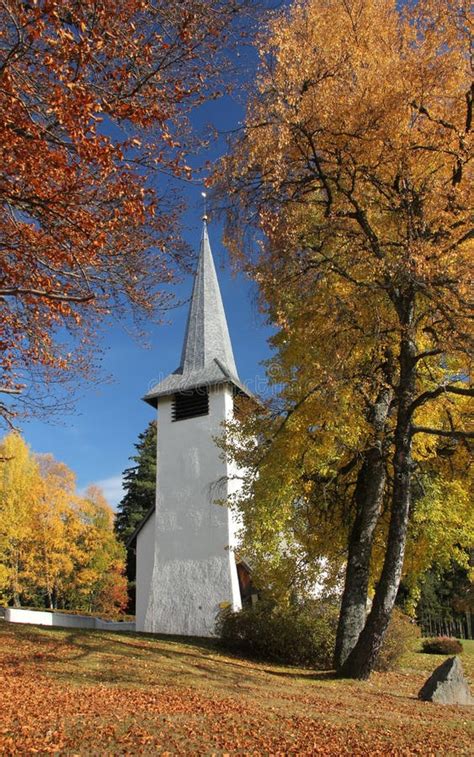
(97, 439)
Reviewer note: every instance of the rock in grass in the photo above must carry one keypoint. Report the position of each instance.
(447, 684)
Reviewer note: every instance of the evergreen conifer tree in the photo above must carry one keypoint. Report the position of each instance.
(139, 483)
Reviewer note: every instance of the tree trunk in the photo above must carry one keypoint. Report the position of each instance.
(363, 657)
(368, 498)
(15, 587)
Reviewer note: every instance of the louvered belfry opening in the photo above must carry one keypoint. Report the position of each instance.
(190, 404)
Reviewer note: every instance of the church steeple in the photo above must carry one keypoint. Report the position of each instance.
(207, 357)
(207, 336)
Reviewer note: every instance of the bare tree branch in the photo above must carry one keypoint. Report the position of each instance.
(434, 393)
(8, 390)
(427, 353)
(442, 432)
(19, 291)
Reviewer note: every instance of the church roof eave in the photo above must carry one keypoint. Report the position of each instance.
(212, 375)
(131, 539)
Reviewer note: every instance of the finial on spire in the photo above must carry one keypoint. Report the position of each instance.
(204, 196)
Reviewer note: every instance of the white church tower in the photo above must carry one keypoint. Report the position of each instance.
(186, 568)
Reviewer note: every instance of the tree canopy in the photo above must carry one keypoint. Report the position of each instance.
(95, 98)
(58, 548)
(139, 484)
(354, 166)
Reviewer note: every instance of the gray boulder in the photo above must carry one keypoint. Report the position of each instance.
(447, 684)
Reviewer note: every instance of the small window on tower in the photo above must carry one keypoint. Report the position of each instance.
(190, 404)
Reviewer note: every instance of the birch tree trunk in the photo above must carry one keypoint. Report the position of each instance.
(361, 661)
(368, 497)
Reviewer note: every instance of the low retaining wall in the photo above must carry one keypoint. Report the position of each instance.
(61, 620)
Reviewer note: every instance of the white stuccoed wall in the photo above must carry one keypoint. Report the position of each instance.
(62, 620)
(145, 549)
(194, 568)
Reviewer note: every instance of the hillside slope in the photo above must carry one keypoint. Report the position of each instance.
(79, 692)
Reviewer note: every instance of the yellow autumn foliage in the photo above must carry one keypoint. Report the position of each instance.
(354, 166)
(57, 548)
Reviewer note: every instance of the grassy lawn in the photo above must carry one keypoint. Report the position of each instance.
(83, 692)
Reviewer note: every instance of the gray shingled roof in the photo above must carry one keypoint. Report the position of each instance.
(207, 357)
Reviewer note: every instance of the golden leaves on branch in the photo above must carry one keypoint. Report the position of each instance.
(353, 168)
(58, 548)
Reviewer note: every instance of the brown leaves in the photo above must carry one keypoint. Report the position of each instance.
(93, 103)
(109, 693)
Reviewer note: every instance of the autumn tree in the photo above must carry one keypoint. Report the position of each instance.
(50, 558)
(98, 581)
(20, 486)
(58, 548)
(94, 99)
(354, 163)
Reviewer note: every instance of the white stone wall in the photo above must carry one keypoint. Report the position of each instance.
(194, 570)
(145, 548)
(234, 482)
(63, 620)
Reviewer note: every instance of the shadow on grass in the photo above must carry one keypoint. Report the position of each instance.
(208, 656)
(305, 674)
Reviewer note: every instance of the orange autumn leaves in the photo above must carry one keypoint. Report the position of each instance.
(57, 547)
(121, 694)
(94, 99)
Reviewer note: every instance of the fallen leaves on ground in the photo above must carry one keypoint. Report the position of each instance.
(82, 692)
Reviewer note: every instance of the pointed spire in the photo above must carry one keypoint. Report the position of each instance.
(207, 357)
(207, 336)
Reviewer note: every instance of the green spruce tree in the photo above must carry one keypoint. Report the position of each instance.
(139, 483)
